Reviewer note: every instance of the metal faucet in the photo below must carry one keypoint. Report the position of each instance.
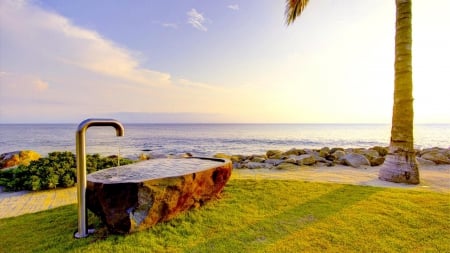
(83, 230)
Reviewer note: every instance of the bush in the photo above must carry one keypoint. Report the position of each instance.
(56, 170)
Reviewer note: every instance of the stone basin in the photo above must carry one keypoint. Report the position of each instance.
(136, 196)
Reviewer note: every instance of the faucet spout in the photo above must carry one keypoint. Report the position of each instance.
(83, 230)
(83, 126)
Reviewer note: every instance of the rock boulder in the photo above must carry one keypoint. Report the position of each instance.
(306, 159)
(439, 156)
(137, 196)
(15, 158)
(274, 154)
(355, 160)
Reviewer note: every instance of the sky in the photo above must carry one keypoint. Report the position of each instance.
(222, 61)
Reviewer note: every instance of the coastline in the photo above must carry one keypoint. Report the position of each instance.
(208, 139)
(434, 178)
(321, 165)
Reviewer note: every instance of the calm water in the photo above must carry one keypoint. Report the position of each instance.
(208, 139)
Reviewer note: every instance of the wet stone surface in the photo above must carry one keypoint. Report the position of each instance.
(153, 169)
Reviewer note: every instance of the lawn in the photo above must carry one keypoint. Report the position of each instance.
(261, 216)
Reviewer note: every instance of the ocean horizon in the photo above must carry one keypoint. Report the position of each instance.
(207, 139)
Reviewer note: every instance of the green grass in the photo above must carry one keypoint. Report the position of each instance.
(261, 216)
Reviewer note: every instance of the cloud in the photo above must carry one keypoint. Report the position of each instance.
(40, 85)
(25, 85)
(197, 85)
(27, 92)
(233, 7)
(52, 70)
(197, 20)
(162, 117)
(170, 25)
(166, 24)
(55, 36)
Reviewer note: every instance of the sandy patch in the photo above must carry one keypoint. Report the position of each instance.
(435, 178)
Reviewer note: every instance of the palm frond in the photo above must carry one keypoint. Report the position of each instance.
(293, 9)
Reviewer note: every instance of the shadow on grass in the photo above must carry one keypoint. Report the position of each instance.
(273, 228)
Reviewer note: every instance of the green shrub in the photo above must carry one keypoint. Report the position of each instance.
(56, 170)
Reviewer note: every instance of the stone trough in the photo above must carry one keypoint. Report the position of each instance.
(134, 197)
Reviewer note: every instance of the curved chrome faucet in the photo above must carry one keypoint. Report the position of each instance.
(81, 168)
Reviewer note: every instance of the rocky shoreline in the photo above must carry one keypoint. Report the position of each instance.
(282, 160)
(354, 157)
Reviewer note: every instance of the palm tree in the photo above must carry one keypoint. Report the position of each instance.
(400, 165)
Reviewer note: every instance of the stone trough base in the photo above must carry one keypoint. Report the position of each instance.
(137, 196)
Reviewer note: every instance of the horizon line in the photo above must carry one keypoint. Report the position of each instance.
(228, 123)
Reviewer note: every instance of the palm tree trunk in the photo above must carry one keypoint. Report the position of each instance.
(400, 165)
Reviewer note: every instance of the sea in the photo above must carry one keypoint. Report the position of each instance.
(209, 139)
